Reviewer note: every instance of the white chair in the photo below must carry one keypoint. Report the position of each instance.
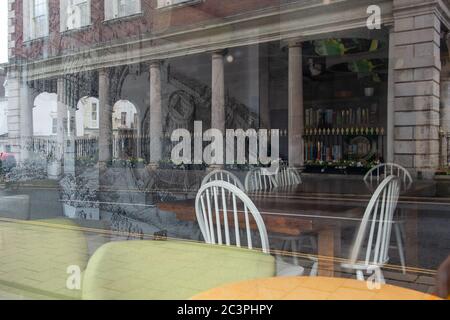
(258, 180)
(375, 176)
(382, 171)
(219, 202)
(223, 175)
(375, 232)
(213, 210)
(288, 177)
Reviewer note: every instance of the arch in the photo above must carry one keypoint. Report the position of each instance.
(44, 114)
(126, 130)
(87, 117)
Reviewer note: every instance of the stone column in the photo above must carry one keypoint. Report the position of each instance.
(139, 139)
(417, 88)
(69, 154)
(445, 121)
(26, 121)
(264, 84)
(218, 112)
(218, 92)
(295, 114)
(61, 121)
(390, 131)
(156, 133)
(105, 118)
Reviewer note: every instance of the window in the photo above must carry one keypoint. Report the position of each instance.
(54, 125)
(123, 119)
(170, 3)
(135, 121)
(121, 8)
(94, 112)
(75, 14)
(35, 19)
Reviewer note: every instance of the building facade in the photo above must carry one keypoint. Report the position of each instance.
(351, 80)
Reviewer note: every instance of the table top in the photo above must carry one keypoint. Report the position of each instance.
(285, 216)
(158, 270)
(309, 288)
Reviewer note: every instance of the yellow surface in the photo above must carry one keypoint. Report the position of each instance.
(159, 270)
(35, 255)
(309, 288)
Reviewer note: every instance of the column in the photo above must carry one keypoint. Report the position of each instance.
(264, 86)
(13, 94)
(26, 121)
(155, 114)
(391, 100)
(69, 154)
(105, 118)
(445, 121)
(61, 129)
(417, 89)
(218, 92)
(295, 113)
(139, 137)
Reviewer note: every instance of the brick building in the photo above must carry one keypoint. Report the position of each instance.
(242, 64)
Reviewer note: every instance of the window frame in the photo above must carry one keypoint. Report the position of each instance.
(54, 126)
(64, 5)
(115, 11)
(30, 29)
(94, 112)
(178, 3)
(123, 119)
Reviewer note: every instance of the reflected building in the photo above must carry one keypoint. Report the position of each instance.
(338, 86)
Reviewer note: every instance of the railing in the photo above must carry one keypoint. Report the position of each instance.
(129, 146)
(86, 147)
(46, 147)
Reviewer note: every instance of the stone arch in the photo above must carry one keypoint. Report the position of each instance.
(126, 130)
(87, 117)
(44, 114)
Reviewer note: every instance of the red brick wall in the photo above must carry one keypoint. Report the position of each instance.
(152, 21)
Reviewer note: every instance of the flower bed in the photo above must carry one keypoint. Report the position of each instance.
(339, 167)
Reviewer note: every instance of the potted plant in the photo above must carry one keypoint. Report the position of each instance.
(79, 198)
(366, 72)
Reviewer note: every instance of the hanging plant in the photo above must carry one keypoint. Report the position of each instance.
(330, 47)
(362, 66)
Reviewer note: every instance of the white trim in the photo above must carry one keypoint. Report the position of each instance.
(166, 4)
(29, 28)
(112, 10)
(64, 6)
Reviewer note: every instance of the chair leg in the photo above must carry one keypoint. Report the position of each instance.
(360, 275)
(401, 253)
(314, 270)
(294, 251)
(380, 276)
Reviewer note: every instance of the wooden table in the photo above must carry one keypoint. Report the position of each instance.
(322, 206)
(310, 288)
(291, 218)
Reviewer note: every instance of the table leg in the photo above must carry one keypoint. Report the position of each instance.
(329, 248)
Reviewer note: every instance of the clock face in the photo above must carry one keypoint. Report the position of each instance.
(361, 146)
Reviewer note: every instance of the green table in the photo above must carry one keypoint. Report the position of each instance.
(158, 270)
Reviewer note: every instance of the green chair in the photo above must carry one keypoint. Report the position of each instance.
(159, 270)
(35, 257)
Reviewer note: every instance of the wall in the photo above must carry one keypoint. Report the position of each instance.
(151, 21)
